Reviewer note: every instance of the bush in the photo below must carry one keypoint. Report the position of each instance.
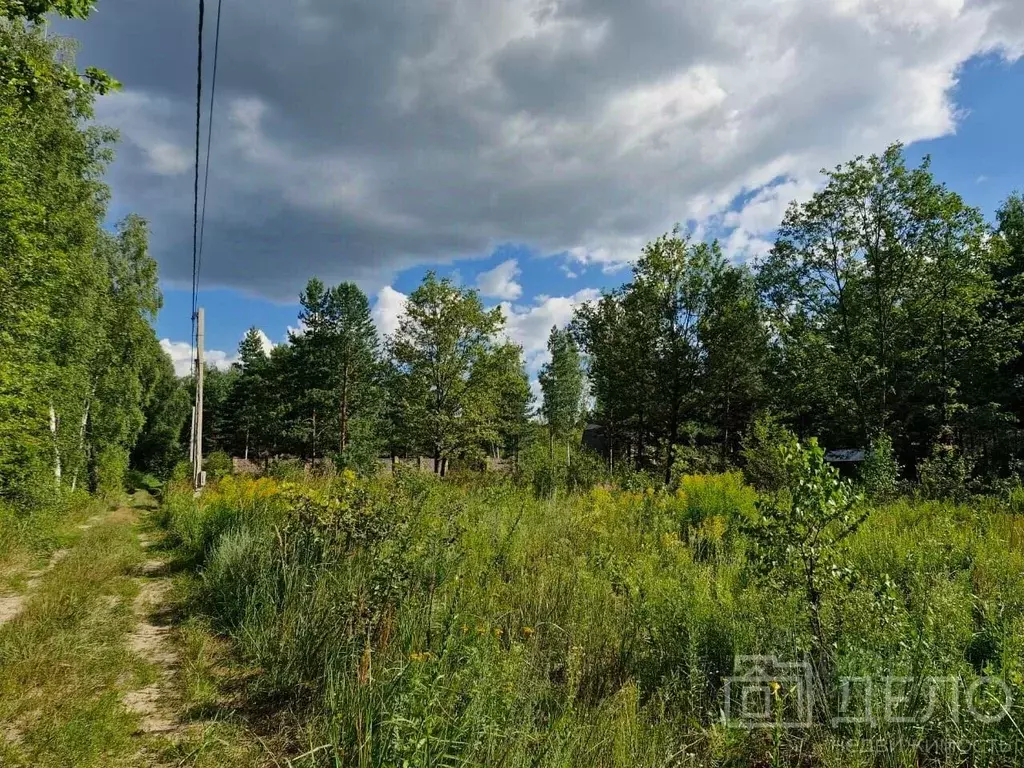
(217, 465)
(182, 472)
(946, 473)
(586, 471)
(110, 471)
(880, 472)
(797, 543)
(764, 446)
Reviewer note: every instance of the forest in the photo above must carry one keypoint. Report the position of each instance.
(402, 557)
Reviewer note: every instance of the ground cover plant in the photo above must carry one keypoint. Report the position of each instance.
(405, 620)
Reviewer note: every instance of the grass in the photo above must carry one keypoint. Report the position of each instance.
(63, 662)
(412, 622)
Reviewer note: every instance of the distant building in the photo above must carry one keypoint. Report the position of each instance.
(845, 455)
(846, 460)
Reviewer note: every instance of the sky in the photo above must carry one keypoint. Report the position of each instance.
(526, 148)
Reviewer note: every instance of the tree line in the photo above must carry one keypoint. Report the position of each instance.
(447, 385)
(887, 308)
(80, 367)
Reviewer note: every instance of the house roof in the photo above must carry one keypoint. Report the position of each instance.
(839, 455)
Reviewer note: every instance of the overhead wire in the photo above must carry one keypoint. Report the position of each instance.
(209, 141)
(195, 187)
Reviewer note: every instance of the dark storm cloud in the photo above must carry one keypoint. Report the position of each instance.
(355, 138)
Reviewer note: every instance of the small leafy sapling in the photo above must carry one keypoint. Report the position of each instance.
(880, 472)
(798, 535)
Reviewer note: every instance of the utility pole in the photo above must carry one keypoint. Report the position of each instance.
(198, 476)
(192, 439)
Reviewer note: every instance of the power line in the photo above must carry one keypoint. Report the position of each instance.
(209, 140)
(195, 188)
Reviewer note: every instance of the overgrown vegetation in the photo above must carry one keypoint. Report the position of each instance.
(409, 621)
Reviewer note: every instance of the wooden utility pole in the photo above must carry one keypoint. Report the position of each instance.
(198, 476)
(192, 439)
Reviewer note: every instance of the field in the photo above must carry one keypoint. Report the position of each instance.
(412, 621)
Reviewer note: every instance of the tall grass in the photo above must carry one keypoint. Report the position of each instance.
(413, 622)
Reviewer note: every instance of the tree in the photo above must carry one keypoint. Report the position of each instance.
(734, 337)
(114, 408)
(251, 399)
(1006, 307)
(27, 75)
(76, 301)
(443, 336)
(219, 432)
(512, 397)
(876, 287)
(616, 353)
(675, 356)
(169, 406)
(797, 537)
(561, 381)
(52, 275)
(337, 364)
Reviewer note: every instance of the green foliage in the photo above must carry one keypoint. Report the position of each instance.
(680, 349)
(561, 381)
(414, 621)
(334, 376)
(946, 473)
(766, 445)
(110, 470)
(441, 349)
(217, 465)
(77, 351)
(166, 414)
(880, 472)
(879, 287)
(797, 537)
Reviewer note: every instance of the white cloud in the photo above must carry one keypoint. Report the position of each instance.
(530, 326)
(500, 282)
(388, 309)
(181, 354)
(268, 345)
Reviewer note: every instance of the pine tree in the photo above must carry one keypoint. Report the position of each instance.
(338, 371)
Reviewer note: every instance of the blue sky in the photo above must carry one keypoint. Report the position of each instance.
(983, 161)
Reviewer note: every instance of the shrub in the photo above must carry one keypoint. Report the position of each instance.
(725, 496)
(880, 472)
(946, 473)
(110, 470)
(765, 445)
(217, 465)
(182, 472)
(586, 470)
(796, 543)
